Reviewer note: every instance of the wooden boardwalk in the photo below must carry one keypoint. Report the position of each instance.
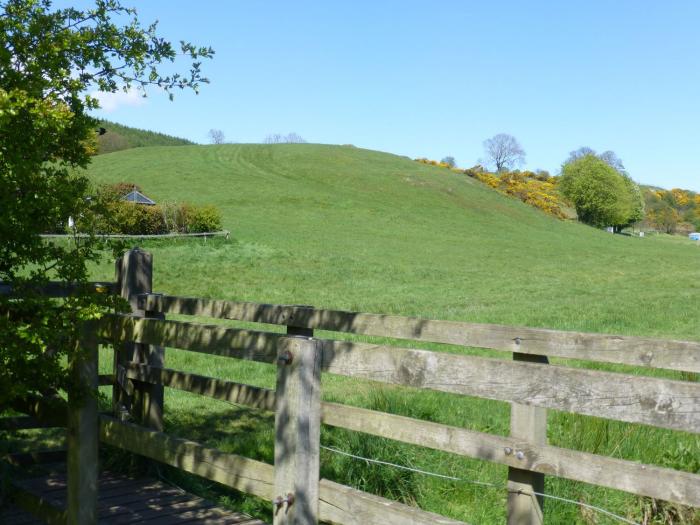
(122, 499)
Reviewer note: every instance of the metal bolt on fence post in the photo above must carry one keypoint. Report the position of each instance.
(285, 358)
(279, 501)
(520, 454)
(508, 451)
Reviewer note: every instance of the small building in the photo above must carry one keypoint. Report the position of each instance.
(138, 198)
(695, 236)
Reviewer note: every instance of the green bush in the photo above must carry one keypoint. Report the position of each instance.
(111, 215)
(200, 219)
(129, 218)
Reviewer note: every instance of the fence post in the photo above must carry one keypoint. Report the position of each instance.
(83, 433)
(300, 330)
(134, 276)
(297, 431)
(527, 423)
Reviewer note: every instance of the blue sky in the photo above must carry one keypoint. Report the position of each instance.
(436, 78)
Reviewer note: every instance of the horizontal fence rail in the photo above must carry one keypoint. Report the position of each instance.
(628, 350)
(338, 503)
(659, 402)
(195, 337)
(630, 476)
(60, 289)
(222, 233)
(23, 423)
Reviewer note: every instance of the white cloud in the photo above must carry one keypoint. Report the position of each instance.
(110, 102)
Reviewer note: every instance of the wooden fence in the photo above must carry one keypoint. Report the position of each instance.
(292, 484)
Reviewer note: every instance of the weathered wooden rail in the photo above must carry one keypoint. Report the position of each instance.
(292, 484)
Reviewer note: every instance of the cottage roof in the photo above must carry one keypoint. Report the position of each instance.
(138, 198)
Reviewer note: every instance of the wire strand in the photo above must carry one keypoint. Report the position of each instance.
(483, 484)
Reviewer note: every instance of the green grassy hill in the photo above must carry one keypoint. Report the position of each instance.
(119, 137)
(349, 228)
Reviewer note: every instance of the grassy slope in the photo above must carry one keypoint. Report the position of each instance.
(351, 228)
(120, 137)
(356, 229)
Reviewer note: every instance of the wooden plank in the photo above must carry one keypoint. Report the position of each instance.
(195, 337)
(128, 500)
(26, 459)
(343, 505)
(16, 516)
(152, 396)
(644, 480)
(38, 506)
(158, 506)
(297, 431)
(105, 380)
(123, 351)
(49, 410)
(134, 276)
(62, 289)
(630, 476)
(82, 436)
(229, 391)
(299, 328)
(338, 504)
(55, 486)
(181, 514)
(527, 423)
(246, 475)
(636, 351)
(651, 401)
(23, 423)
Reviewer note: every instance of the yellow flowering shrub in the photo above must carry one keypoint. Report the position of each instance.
(534, 189)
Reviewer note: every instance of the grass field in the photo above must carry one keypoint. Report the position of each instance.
(347, 228)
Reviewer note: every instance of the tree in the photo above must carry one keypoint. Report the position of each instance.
(613, 160)
(450, 161)
(216, 136)
(633, 201)
(278, 138)
(504, 151)
(578, 153)
(50, 60)
(601, 195)
(609, 157)
(294, 138)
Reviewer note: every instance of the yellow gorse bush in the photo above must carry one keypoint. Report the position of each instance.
(536, 189)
